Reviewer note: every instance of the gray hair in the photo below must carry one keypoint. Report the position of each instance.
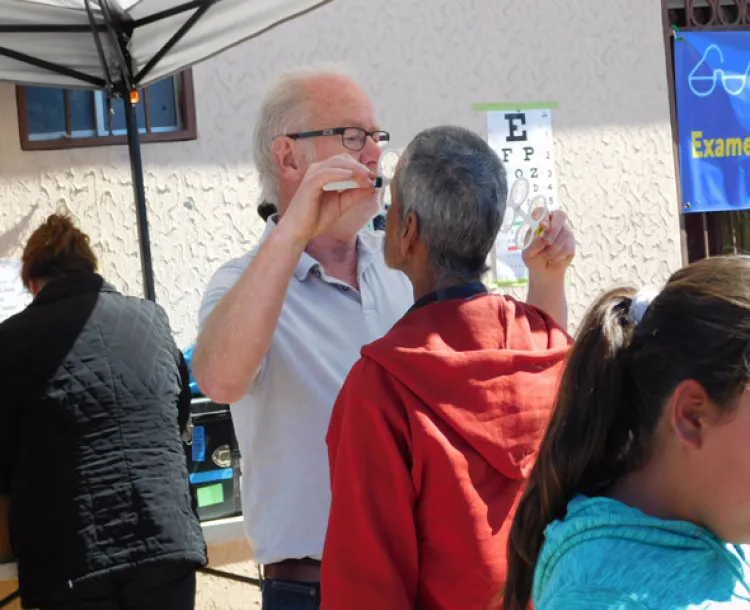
(285, 109)
(457, 187)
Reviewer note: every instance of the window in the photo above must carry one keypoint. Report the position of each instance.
(51, 118)
(708, 233)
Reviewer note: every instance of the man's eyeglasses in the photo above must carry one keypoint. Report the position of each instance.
(353, 138)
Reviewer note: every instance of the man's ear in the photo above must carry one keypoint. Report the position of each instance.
(286, 156)
(410, 233)
(691, 413)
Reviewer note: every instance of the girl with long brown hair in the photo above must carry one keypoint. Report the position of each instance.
(640, 497)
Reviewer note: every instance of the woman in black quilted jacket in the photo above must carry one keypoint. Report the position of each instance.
(94, 396)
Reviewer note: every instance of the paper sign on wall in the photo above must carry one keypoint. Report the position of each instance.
(521, 134)
(13, 296)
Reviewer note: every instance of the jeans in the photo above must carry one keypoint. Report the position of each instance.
(156, 586)
(287, 595)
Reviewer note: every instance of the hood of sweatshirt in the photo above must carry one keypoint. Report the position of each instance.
(488, 366)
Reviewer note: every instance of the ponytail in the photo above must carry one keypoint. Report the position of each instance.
(587, 441)
(602, 428)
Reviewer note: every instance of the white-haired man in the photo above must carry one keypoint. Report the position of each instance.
(282, 325)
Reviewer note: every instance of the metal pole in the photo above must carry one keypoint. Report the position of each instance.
(52, 67)
(136, 169)
(178, 35)
(6, 601)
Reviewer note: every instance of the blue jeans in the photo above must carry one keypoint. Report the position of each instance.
(287, 595)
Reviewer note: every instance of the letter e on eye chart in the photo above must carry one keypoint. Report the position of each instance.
(521, 134)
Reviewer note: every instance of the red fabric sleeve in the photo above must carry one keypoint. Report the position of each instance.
(370, 559)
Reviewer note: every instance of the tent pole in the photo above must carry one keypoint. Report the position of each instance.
(136, 169)
(119, 39)
(52, 67)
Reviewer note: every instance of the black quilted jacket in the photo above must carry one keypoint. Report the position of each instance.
(91, 383)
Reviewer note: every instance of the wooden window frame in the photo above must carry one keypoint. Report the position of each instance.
(186, 102)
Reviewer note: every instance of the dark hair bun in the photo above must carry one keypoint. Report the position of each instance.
(57, 248)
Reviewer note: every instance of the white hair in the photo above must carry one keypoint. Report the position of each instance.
(285, 110)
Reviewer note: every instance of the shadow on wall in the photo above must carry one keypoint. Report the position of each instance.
(12, 240)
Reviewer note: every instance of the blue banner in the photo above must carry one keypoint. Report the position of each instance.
(712, 87)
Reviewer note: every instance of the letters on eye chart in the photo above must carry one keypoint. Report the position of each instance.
(521, 134)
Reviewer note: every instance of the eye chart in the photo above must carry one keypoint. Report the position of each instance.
(521, 134)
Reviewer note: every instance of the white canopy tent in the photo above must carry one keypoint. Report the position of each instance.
(121, 45)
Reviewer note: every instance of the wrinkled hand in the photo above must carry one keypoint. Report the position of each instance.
(549, 254)
(312, 210)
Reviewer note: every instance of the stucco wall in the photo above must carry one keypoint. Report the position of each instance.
(425, 62)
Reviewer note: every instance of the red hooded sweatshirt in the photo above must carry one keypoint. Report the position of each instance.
(430, 442)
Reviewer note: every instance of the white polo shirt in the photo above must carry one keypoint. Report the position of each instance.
(281, 423)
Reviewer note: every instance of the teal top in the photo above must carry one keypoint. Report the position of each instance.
(609, 556)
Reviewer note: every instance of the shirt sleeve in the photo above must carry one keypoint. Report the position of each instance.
(8, 432)
(370, 559)
(222, 282)
(11, 383)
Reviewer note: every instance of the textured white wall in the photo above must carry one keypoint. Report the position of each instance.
(425, 62)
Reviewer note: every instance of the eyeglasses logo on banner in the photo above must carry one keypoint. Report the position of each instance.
(733, 83)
